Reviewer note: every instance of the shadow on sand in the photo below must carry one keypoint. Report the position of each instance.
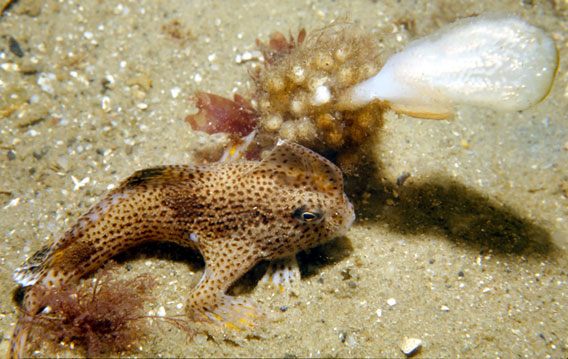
(444, 206)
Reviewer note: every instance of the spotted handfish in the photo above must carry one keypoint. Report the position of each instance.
(234, 213)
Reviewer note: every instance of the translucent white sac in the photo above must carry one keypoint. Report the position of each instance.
(501, 63)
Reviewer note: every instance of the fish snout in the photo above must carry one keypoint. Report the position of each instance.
(343, 218)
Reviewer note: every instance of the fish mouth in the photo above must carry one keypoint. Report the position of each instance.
(348, 219)
(353, 216)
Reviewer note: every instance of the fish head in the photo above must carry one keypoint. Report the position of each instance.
(310, 198)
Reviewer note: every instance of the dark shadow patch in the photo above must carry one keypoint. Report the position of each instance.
(448, 208)
(249, 280)
(18, 295)
(163, 250)
(312, 261)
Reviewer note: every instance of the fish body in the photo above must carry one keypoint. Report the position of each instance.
(235, 214)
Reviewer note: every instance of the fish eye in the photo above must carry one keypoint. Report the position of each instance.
(307, 216)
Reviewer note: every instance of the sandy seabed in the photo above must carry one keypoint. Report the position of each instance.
(468, 255)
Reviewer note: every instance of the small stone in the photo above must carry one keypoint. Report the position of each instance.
(379, 313)
(247, 56)
(105, 104)
(410, 345)
(391, 302)
(161, 312)
(10, 67)
(444, 308)
(14, 47)
(175, 91)
(45, 81)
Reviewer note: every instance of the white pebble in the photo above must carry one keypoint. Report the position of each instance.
(175, 91)
(379, 313)
(105, 104)
(247, 56)
(10, 67)
(45, 82)
(13, 203)
(161, 312)
(109, 81)
(410, 345)
(444, 308)
(391, 302)
(197, 78)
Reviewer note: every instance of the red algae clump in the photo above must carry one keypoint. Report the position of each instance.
(218, 114)
(101, 317)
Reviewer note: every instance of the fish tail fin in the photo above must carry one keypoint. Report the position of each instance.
(35, 267)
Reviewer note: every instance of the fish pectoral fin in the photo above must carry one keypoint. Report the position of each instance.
(282, 272)
(231, 312)
(208, 301)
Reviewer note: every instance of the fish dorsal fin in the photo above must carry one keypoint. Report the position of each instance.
(299, 166)
(157, 175)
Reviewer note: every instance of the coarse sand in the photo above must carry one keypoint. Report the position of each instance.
(468, 254)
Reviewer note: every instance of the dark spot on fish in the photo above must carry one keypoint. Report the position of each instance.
(15, 47)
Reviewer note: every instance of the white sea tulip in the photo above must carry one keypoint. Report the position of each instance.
(502, 63)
